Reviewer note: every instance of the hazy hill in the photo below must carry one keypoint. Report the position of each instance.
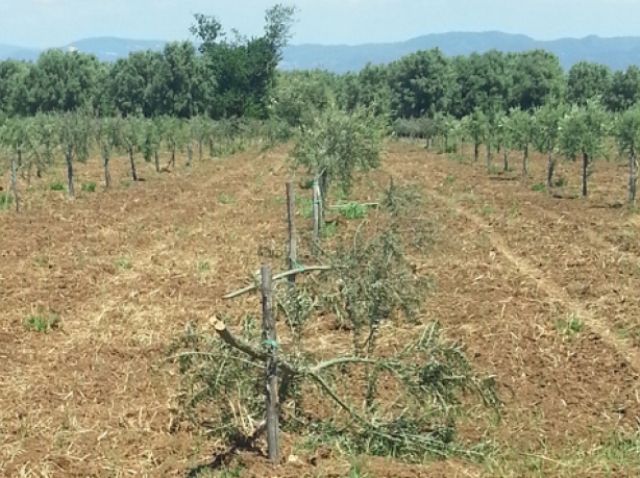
(617, 53)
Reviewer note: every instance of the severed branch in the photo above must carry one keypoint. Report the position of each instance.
(239, 344)
(284, 275)
(346, 206)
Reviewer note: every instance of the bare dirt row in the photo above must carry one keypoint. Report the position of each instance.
(514, 273)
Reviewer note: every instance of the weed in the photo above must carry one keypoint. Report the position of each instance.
(306, 208)
(226, 199)
(356, 471)
(89, 187)
(42, 324)
(125, 185)
(539, 187)
(5, 201)
(203, 267)
(329, 230)
(571, 326)
(488, 210)
(124, 263)
(57, 187)
(450, 179)
(42, 260)
(353, 210)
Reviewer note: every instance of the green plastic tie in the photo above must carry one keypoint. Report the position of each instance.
(299, 266)
(272, 343)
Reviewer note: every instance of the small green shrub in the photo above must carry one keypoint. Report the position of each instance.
(539, 187)
(353, 210)
(124, 263)
(226, 199)
(5, 201)
(89, 187)
(41, 324)
(57, 187)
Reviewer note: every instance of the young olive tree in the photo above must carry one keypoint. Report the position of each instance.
(45, 131)
(107, 136)
(521, 127)
(627, 132)
(175, 135)
(74, 136)
(583, 132)
(476, 126)
(130, 132)
(17, 139)
(336, 144)
(546, 134)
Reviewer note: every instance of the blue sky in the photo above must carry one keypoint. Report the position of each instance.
(46, 23)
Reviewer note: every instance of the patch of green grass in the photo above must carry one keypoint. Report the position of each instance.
(89, 187)
(124, 185)
(203, 267)
(5, 201)
(353, 210)
(279, 200)
(539, 187)
(457, 158)
(488, 210)
(570, 327)
(623, 333)
(329, 230)
(305, 210)
(226, 199)
(560, 182)
(307, 184)
(41, 323)
(42, 260)
(356, 471)
(450, 179)
(494, 169)
(57, 187)
(124, 263)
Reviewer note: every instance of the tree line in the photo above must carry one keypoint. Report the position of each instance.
(225, 78)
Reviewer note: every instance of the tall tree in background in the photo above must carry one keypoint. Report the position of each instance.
(586, 81)
(244, 69)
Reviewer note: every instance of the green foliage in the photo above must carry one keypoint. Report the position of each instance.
(89, 187)
(6, 200)
(41, 323)
(56, 187)
(337, 144)
(368, 283)
(352, 210)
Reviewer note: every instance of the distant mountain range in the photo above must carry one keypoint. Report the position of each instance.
(617, 53)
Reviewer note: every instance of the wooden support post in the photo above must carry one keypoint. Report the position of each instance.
(291, 214)
(271, 390)
(316, 214)
(14, 184)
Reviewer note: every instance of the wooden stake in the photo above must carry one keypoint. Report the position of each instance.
(271, 390)
(291, 212)
(14, 184)
(316, 214)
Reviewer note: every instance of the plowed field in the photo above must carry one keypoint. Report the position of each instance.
(543, 291)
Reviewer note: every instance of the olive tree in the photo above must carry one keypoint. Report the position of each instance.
(336, 144)
(546, 133)
(627, 132)
(583, 132)
(74, 136)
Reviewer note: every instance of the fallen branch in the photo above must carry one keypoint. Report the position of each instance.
(345, 206)
(284, 275)
(253, 352)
